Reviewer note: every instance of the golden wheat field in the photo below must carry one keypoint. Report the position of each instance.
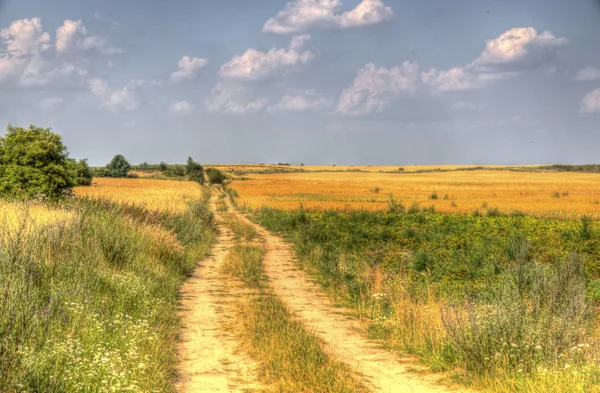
(13, 215)
(254, 168)
(157, 195)
(542, 194)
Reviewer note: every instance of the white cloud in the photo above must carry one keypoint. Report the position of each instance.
(518, 49)
(25, 37)
(514, 51)
(305, 101)
(181, 108)
(588, 74)
(66, 35)
(73, 35)
(257, 65)
(375, 88)
(591, 102)
(301, 15)
(230, 98)
(187, 68)
(123, 99)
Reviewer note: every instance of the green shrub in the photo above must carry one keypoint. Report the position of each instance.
(83, 173)
(215, 176)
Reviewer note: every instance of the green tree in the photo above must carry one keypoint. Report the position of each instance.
(82, 172)
(194, 171)
(118, 167)
(34, 161)
(163, 166)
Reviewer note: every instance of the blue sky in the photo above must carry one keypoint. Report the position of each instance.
(315, 81)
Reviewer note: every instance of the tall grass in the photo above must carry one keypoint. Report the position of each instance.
(90, 304)
(507, 312)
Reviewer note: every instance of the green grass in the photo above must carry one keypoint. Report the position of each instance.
(290, 358)
(91, 305)
(504, 302)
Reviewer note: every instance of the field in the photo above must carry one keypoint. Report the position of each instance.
(547, 194)
(157, 195)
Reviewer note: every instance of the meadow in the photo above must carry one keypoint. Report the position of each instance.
(542, 194)
(88, 300)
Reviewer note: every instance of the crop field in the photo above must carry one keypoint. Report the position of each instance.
(13, 215)
(157, 195)
(547, 194)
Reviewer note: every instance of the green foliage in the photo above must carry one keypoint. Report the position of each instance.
(143, 165)
(83, 173)
(117, 167)
(163, 166)
(215, 176)
(33, 162)
(92, 305)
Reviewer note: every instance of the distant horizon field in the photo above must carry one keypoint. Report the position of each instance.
(546, 194)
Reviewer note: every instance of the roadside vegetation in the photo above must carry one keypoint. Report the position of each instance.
(504, 302)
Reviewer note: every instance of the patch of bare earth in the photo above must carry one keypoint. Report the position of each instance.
(209, 359)
(342, 335)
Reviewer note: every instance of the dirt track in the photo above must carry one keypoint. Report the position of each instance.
(209, 360)
(341, 334)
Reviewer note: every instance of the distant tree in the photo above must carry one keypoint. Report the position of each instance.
(143, 165)
(301, 164)
(194, 171)
(163, 166)
(33, 162)
(192, 166)
(215, 176)
(117, 167)
(83, 173)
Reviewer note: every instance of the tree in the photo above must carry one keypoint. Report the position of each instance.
(82, 173)
(192, 166)
(118, 167)
(163, 166)
(33, 162)
(194, 171)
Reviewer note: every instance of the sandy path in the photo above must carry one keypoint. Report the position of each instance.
(341, 334)
(209, 360)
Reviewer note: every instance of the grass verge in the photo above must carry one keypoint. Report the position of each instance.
(90, 303)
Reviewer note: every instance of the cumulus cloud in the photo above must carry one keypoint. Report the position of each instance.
(591, 102)
(375, 88)
(256, 65)
(588, 74)
(73, 35)
(116, 100)
(301, 15)
(25, 37)
(306, 101)
(187, 68)
(181, 108)
(231, 98)
(514, 51)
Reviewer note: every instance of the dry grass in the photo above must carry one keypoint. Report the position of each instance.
(253, 168)
(541, 194)
(12, 215)
(157, 195)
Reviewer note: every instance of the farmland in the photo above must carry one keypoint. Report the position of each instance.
(554, 194)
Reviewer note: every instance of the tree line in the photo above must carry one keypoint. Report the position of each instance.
(34, 162)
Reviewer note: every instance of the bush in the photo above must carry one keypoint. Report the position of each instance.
(118, 167)
(34, 161)
(163, 166)
(215, 176)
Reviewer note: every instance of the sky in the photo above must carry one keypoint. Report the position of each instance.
(322, 82)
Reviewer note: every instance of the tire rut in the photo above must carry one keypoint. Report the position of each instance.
(209, 359)
(341, 334)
